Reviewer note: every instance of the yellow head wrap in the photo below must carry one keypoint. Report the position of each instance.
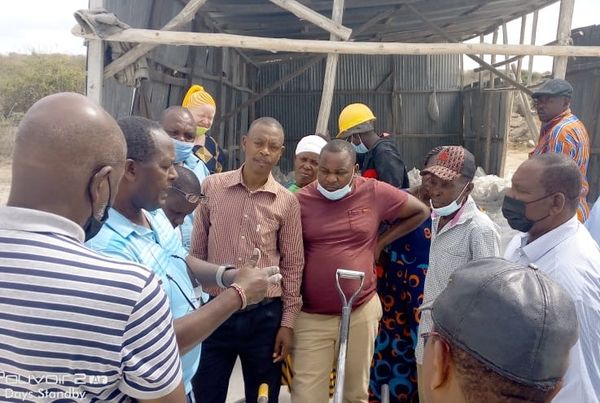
(196, 96)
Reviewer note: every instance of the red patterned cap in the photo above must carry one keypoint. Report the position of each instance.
(451, 162)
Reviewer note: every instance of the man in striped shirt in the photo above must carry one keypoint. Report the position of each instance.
(562, 132)
(248, 209)
(75, 326)
(136, 231)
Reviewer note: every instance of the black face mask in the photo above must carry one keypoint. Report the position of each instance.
(93, 225)
(514, 212)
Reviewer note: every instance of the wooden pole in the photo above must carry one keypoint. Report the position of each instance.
(491, 83)
(533, 37)
(524, 103)
(330, 74)
(311, 62)
(157, 37)
(521, 42)
(185, 15)
(95, 63)
(305, 13)
(481, 40)
(471, 55)
(505, 42)
(563, 36)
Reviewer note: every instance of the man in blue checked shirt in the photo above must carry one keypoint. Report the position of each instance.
(133, 233)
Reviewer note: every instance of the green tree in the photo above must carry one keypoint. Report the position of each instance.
(24, 79)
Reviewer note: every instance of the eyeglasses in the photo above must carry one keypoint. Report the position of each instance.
(191, 197)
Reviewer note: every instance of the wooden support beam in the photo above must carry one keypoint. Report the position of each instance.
(330, 74)
(185, 15)
(311, 62)
(305, 13)
(157, 37)
(492, 83)
(472, 55)
(563, 36)
(533, 38)
(521, 42)
(95, 63)
(524, 103)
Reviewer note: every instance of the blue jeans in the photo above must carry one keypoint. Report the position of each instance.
(251, 336)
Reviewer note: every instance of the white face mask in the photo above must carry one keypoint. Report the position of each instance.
(451, 208)
(336, 194)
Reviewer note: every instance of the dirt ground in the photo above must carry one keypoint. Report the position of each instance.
(4, 180)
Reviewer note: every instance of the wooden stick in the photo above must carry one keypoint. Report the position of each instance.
(95, 55)
(533, 128)
(471, 55)
(533, 36)
(305, 13)
(521, 42)
(563, 36)
(157, 37)
(330, 74)
(311, 62)
(491, 83)
(185, 15)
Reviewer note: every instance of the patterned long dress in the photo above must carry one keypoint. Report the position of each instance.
(400, 288)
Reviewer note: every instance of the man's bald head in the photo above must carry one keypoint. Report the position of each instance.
(266, 121)
(63, 142)
(70, 129)
(179, 123)
(175, 112)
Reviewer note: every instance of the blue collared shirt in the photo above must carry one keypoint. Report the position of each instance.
(154, 248)
(199, 168)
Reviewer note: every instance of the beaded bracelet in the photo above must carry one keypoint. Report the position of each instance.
(241, 293)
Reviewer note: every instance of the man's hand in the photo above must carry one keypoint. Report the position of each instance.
(283, 343)
(255, 281)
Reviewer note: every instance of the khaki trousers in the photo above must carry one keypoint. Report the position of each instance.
(316, 340)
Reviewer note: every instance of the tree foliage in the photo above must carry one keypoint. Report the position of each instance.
(24, 79)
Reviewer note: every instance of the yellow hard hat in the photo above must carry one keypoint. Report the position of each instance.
(352, 116)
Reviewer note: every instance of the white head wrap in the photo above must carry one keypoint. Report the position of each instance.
(310, 144)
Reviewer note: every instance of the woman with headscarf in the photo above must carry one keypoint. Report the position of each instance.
(203, 107)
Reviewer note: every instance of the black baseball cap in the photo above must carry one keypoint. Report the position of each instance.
(554, 87)
(514, 319)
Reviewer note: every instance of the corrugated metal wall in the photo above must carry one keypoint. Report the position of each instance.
(222, 71)
(397, 88)
(584, 75)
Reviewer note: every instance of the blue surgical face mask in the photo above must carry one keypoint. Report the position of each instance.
(182, 150)
(451, 208)
(336, 194)
(361, 148)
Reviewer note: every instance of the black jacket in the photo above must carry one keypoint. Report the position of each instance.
(383, 162)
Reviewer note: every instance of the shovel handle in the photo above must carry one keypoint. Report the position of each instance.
(263, 393)
(349, 275)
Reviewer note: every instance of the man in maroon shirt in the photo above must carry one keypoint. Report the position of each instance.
(341, 214)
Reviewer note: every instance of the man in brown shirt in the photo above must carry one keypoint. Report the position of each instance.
(248, 209)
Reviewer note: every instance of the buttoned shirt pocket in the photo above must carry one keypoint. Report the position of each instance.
(267, 231)
(361, 221)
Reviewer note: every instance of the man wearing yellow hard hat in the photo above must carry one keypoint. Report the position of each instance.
(378, 156)
(203, 107)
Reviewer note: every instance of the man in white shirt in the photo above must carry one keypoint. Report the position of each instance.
(542, 204)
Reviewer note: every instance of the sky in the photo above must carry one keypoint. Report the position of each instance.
(44, 26)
